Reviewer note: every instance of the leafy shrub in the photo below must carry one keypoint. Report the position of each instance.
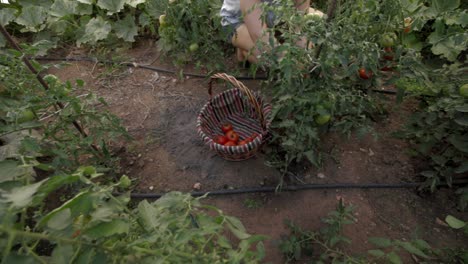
(319, 88)
(437, 25)
(96, 226)
(191, 30)
(25, 105)
(81, 22)
(438, 130)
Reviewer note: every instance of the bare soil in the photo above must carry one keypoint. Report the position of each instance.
(166, 154)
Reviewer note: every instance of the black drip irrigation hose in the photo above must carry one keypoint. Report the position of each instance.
(296, 188)
(162, 70)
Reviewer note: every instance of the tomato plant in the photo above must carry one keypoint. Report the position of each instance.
(438, 130)
(192, 31)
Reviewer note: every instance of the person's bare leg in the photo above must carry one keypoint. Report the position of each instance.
(244, 43)
(252, 19)
(302, 5)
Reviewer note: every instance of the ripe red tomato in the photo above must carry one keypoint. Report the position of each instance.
(407, 29)
(364, 74)
(232, 136)
(230, 144)
(254, 136)
(226, 127)
(388, 57)
(220, 140)
(388, 49)
(386, 68)
(243, 142)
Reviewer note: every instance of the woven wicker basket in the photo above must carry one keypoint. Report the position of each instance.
(246, 111)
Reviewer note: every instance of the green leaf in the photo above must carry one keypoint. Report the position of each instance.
(61, 8)
(376, 253)
(462, 108)
(462, 120)
(82, 203)
(31, 17)
(459, 142)
(148, 215)
(394, 258)
(447, 41)
(421, 244)
(236, 227)
(454, 222)
(380, 241)
(126, 28)
(462, 168)
(134, 3)
(62, 254)
(7, 15)
(96, 29)
(89, 2)
(14, 258)
(412, 249)
(11, 170)
(113, 6)
(60, 220)
(21, 196)
(106, 229)
(445, 5)
(411, 41)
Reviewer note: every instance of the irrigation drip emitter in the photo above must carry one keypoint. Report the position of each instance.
(292, 188)
(162, 70)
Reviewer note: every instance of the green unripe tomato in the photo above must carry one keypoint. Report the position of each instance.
(125, 182)
(193, 47)
(322, 119)
(25, 116)
(387, 40)
(464, 90)
(162, 20)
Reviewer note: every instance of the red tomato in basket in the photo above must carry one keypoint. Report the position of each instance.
(220, 140)
(253, 136)
(230, 144)
(226, 127)
(232, 136)
(243, 142)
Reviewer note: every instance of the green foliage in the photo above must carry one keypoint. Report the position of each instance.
(325, 246)
(313, 94)
(25, 105)
(456, 223)
(81, 22)
(439, 25)
(95, 226)
(438, 130)
(301, 242)
(186, 24)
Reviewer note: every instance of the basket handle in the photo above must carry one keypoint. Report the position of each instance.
(243, 88)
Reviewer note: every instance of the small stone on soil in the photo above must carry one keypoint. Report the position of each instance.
(320, 175)
(440, 222)
(151, 188)
(371, 153)
(197, 186)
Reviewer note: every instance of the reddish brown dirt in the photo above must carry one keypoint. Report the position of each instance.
(160, 113)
